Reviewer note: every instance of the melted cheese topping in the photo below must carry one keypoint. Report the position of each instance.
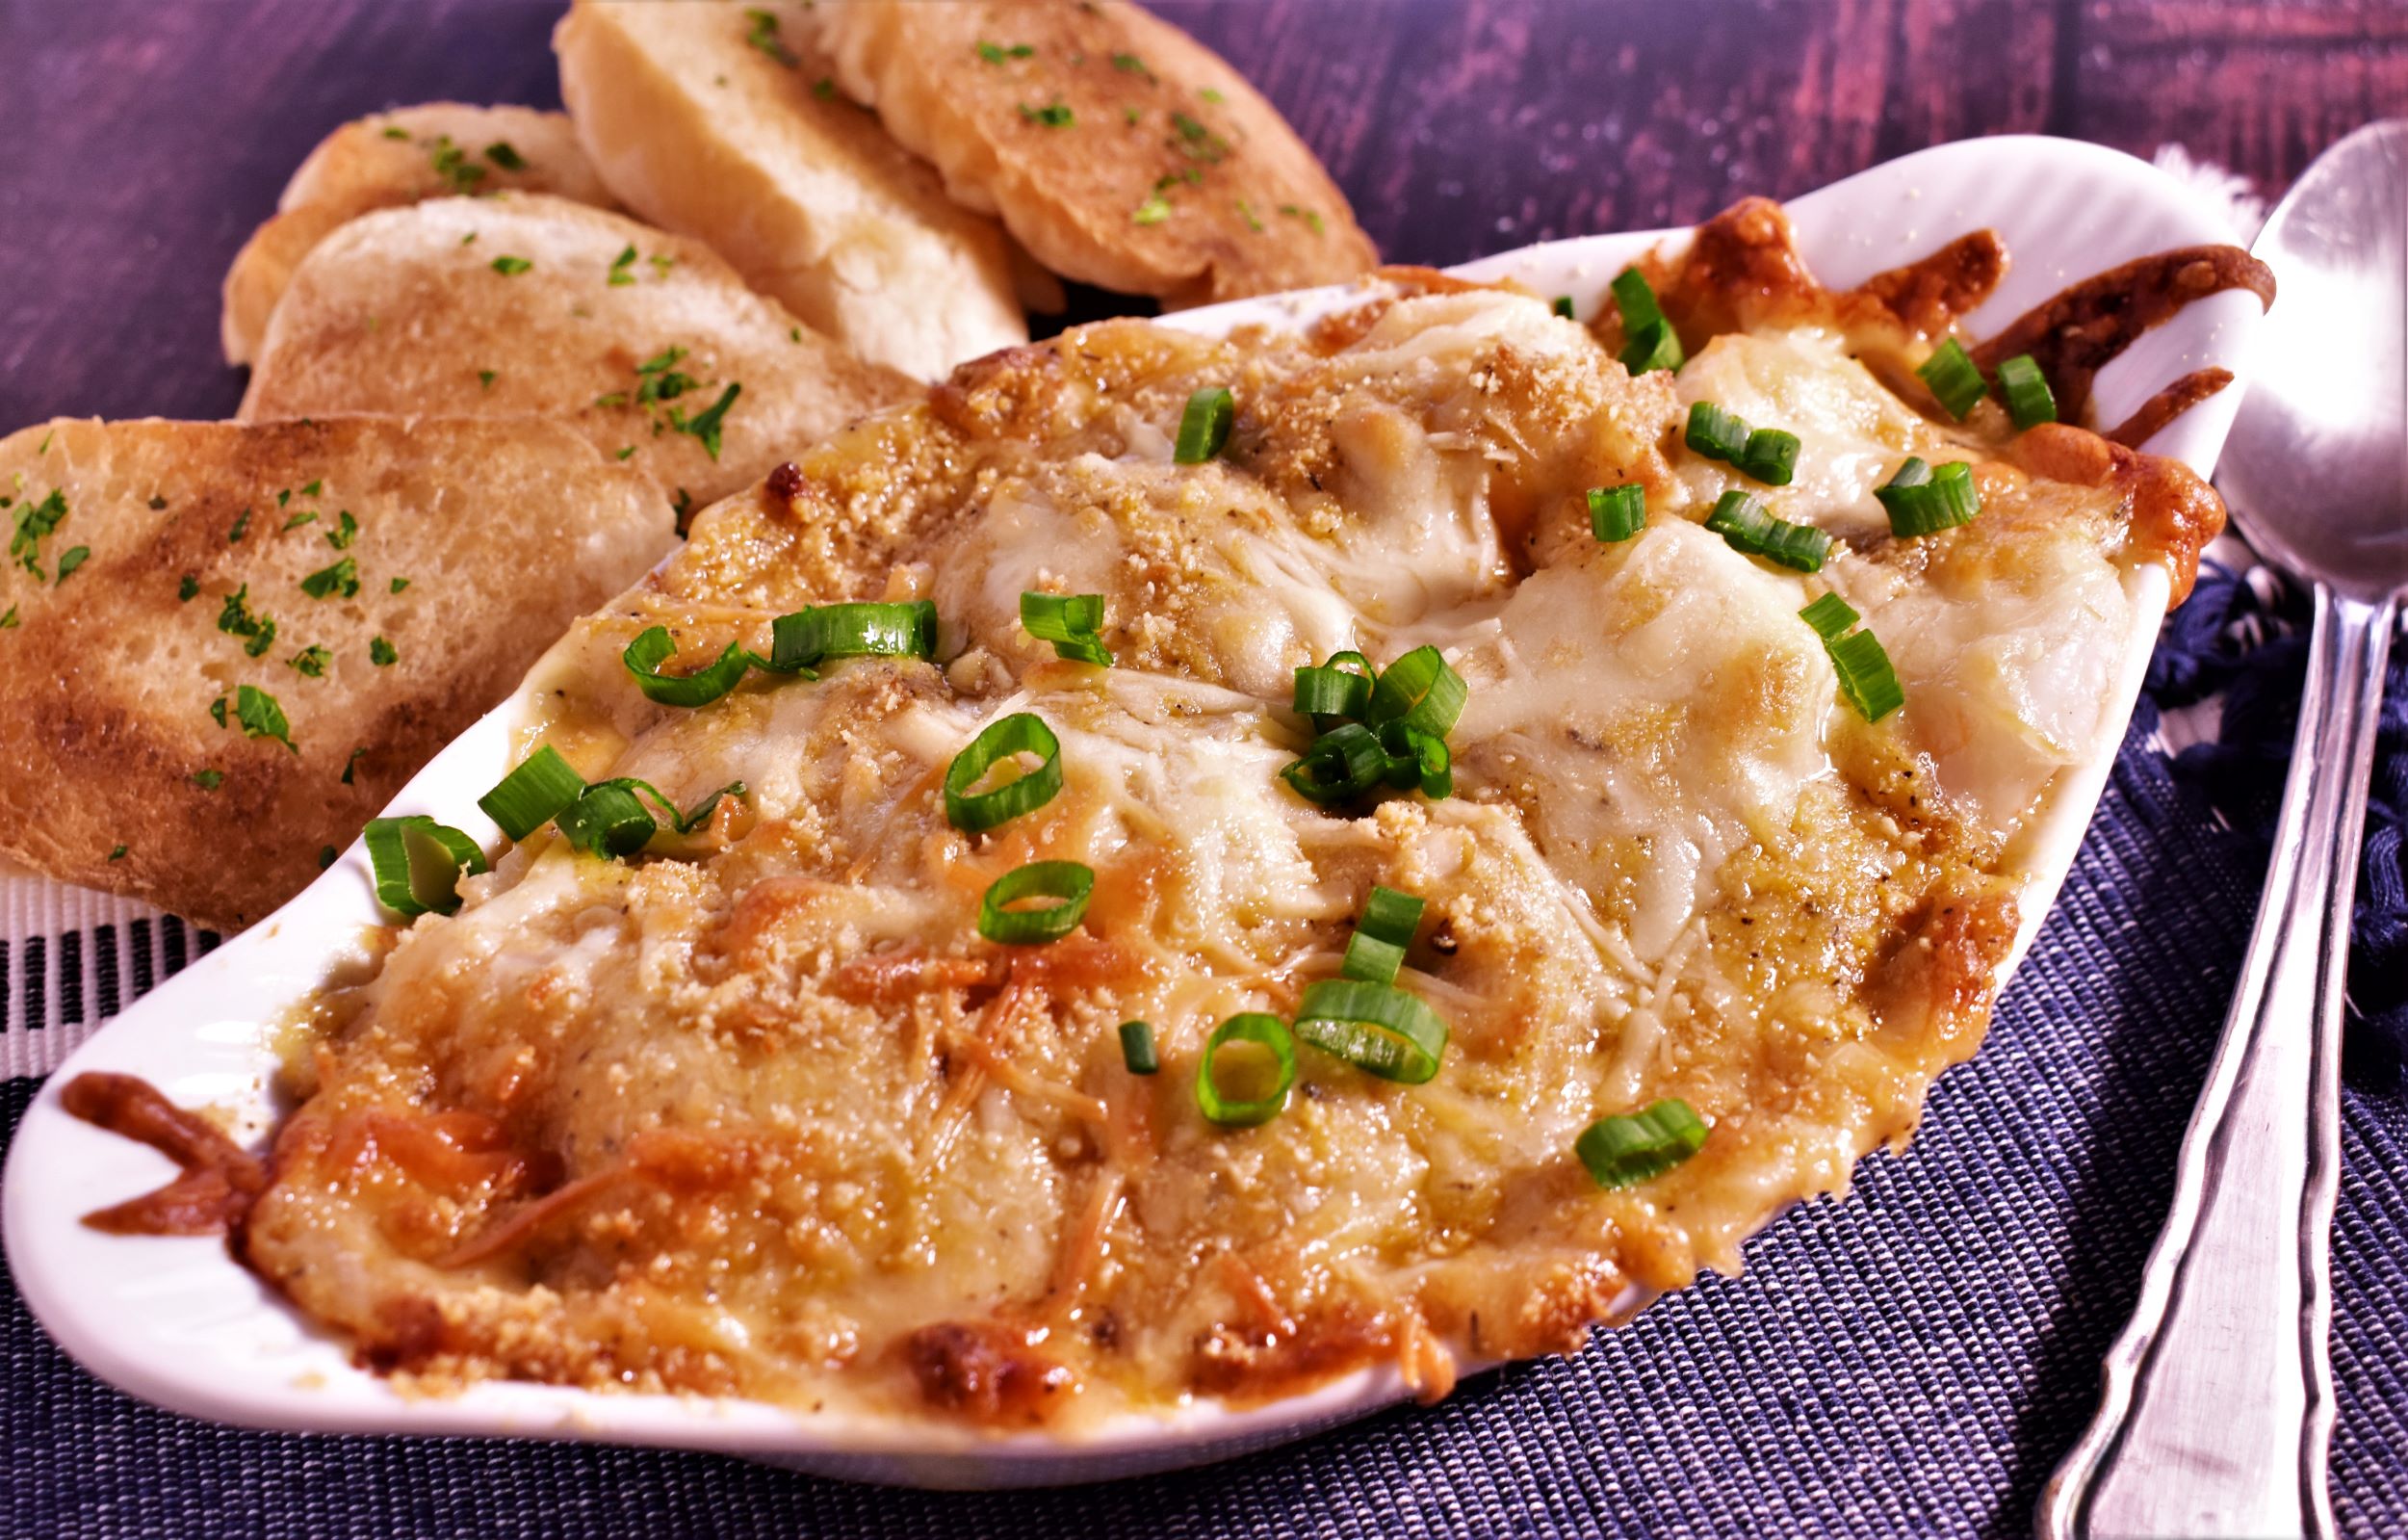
(761, 1113)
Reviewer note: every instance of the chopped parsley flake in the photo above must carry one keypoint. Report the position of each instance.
(261, 717)
(451, 164)
(1246, 212)
(1312, 220)
(341, 578)
(398, 584)
(352, 764)
(284, 495)
(315, 488)
(994, 53)
(662, 264)
(186, 590)
(1132, 65)
(34, 521)
(311, 660)
(1198, 142)
(1213, 96)
(326, 856)
(305, 516)
(8, 621)
(380, 652)
(1129, 115)
(75, 556)
(510, 267)
(623, 269)
(1153, 211)
(763, 35)
(239, 528)
(1052, 114)
(682, 506)
(469, 239)
(43, 448)
(157, 501)
(625, 453)
(209, 781)
(823, 88)
(236, 619)
(506, 155)
(117, 854)
(658, 379)
(485, 378)
(216, 711)
(345, 529)
(705, 425)
(397, 132)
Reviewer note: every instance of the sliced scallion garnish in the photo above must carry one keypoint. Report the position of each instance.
(1417, 759)
(1342, 765)
(1333, 692)
(532, 794)
(1260, 1030)
(897, 629)
(1830, 617)
(2029, 400)
(1072, 622)
(1421, 691)
(1021, 733)
(1562, 305)
(400, 886)
(1743, 524)
(645, 655)
(1203, 426)
(1770, 457)
(1617, 513)
(1715, 433)
(1628, 1148)
(1653, 346)
(1865, 675)
(1377, 949)
(1376, 1028)
(607, 820)
(1068, 881)
(1922, 500)
(1954, 378)
(1137, 1048)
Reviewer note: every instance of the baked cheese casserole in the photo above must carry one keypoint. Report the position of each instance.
(1677, 691)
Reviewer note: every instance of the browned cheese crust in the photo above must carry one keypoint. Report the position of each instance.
(763, 1113)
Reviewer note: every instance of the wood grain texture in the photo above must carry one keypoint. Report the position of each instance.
(153, 134)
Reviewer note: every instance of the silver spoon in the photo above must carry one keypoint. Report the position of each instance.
(2218, 1404)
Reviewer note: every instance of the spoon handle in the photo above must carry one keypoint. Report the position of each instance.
(2218, 1397)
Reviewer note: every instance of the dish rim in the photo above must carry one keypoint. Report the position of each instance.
(201, 1035)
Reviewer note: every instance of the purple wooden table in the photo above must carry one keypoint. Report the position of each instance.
(148, 138)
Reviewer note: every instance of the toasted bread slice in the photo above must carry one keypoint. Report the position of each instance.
(718, 121)
(115, 773)
(1117, 149)
(392, 159)
(620, 331)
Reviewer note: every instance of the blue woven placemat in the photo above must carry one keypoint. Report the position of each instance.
(1911, 1361)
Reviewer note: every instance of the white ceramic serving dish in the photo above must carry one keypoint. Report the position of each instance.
(178, 1322)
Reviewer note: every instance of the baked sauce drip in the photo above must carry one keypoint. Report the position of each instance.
(220, 1178)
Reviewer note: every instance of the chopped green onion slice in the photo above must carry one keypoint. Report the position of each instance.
(1421, 691)
(1770, 457)
(1653, 346)
(1333, 693)
(1954, 378)
(1743, 524)
(1377, 949)
(1563, 305)
(1417, 758)
(1261, 1031)
(1865, 675)
(1341, 764)
(1924, 501)
(1635, 297)
(906, 628)
(1830, 617)
(645, 655)
(399, 887)
(1074, 623)
(1617, 513)
(1375, 1027)
(1137, 1050)
(536, 793)
(1066, 881)
(1204, 428)
(2029, 399)
(1021, 733)
(1715, 433)
(1629, 1148)
(608, 820)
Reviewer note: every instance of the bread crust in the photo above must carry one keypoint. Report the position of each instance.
(404, 312)
(1169, 176)
(739, 144)
(111, 672)
(386, 161)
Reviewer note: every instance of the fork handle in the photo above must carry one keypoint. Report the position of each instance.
(2217, 1409)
